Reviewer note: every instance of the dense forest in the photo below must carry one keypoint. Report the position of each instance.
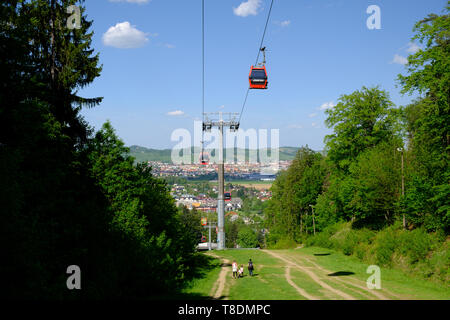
(69, 195)
(386, 167)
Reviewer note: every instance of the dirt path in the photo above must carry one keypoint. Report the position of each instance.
(299, 290)
(312, 275)
(218, 289)
(351, 281)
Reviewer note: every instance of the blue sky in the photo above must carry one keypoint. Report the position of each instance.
(317, 50)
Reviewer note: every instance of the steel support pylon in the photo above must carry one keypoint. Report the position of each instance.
(220, 123)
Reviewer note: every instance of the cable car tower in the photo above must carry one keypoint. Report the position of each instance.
(220, 120)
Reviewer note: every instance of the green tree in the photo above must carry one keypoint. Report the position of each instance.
(231, 231)
(376, 176)
(191, 227)
(57, 215)
(288, 213)
(360, 120)
(160, 240)
(247, 238)
(274, 217)
(428, 123)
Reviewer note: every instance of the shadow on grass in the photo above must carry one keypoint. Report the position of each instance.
(249, 276)
(199, 267)
(321, 254)
(341, 273)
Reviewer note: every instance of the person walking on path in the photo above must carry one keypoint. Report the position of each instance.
(250, 267)
(241, 271)
(234, 266)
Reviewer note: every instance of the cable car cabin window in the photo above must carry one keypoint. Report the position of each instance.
(258, 75)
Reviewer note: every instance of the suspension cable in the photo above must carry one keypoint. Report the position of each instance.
(203, 58)
(257, 57)
(264, 33)
(203, 75)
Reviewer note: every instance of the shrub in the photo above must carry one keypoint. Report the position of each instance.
(386, 242)
(439, 262)
(285, 243)
(361, 250)
(349, 243)
(416, 251)
(416, 244)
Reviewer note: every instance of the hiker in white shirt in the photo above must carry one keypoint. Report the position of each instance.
(234, 266)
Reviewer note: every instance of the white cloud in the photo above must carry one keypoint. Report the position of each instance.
(399, 59)
(295, 126)
(169, 46)
(315, 125)
(312, 115)
(124, 36)
(175, 113)
(131, 1)
(247, 8)
(283, 23)
(327, 105)
(412, 47)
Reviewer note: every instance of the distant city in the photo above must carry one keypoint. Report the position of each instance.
(239, 171)
(160, 161)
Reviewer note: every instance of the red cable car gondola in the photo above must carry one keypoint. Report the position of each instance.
(258, 74)
(227, 196)
(258, 78)
(204, 158)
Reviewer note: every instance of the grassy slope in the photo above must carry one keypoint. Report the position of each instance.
(270, 282)
(391, 279)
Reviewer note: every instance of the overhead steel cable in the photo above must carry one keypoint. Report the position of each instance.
(203, 57)
(257, 57)
(203, 75)
(264, 33)
(243, 105)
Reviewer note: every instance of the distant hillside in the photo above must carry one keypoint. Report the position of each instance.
(145, 154)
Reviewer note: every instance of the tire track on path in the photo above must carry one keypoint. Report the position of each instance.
(378, 294)
(299, 290)
(312, 275)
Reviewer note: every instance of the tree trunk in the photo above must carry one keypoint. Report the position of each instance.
(306, 223)
(52, 41)
(301, 223)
